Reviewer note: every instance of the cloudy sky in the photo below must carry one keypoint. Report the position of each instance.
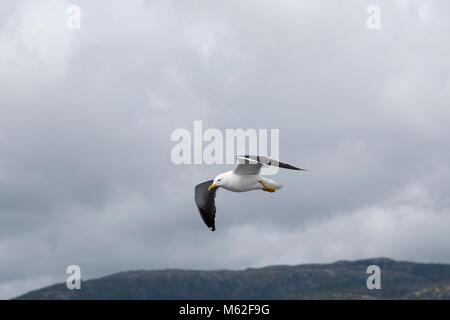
(86, 116)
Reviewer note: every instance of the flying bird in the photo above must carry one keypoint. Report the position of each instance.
(245, 177)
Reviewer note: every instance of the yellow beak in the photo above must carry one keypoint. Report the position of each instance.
(212, 186)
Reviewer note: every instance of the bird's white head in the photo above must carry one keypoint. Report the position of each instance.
(220, 180)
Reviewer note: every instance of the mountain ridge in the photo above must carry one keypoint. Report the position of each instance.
(342, 279)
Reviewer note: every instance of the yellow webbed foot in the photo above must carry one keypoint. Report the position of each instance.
(266, 187)
(269, 189)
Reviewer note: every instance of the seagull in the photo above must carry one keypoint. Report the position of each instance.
(245, 177)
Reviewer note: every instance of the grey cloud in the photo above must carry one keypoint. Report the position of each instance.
(86, 118)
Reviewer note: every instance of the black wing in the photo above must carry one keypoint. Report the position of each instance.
(204, 199)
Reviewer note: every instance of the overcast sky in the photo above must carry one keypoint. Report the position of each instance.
(86, 116)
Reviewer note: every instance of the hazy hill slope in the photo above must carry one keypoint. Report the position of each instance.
(339, 280)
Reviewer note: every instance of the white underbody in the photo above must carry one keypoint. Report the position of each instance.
(241, 183)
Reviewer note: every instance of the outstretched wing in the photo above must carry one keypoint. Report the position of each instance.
(205, 201)
(252, 164)
(247, 166)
